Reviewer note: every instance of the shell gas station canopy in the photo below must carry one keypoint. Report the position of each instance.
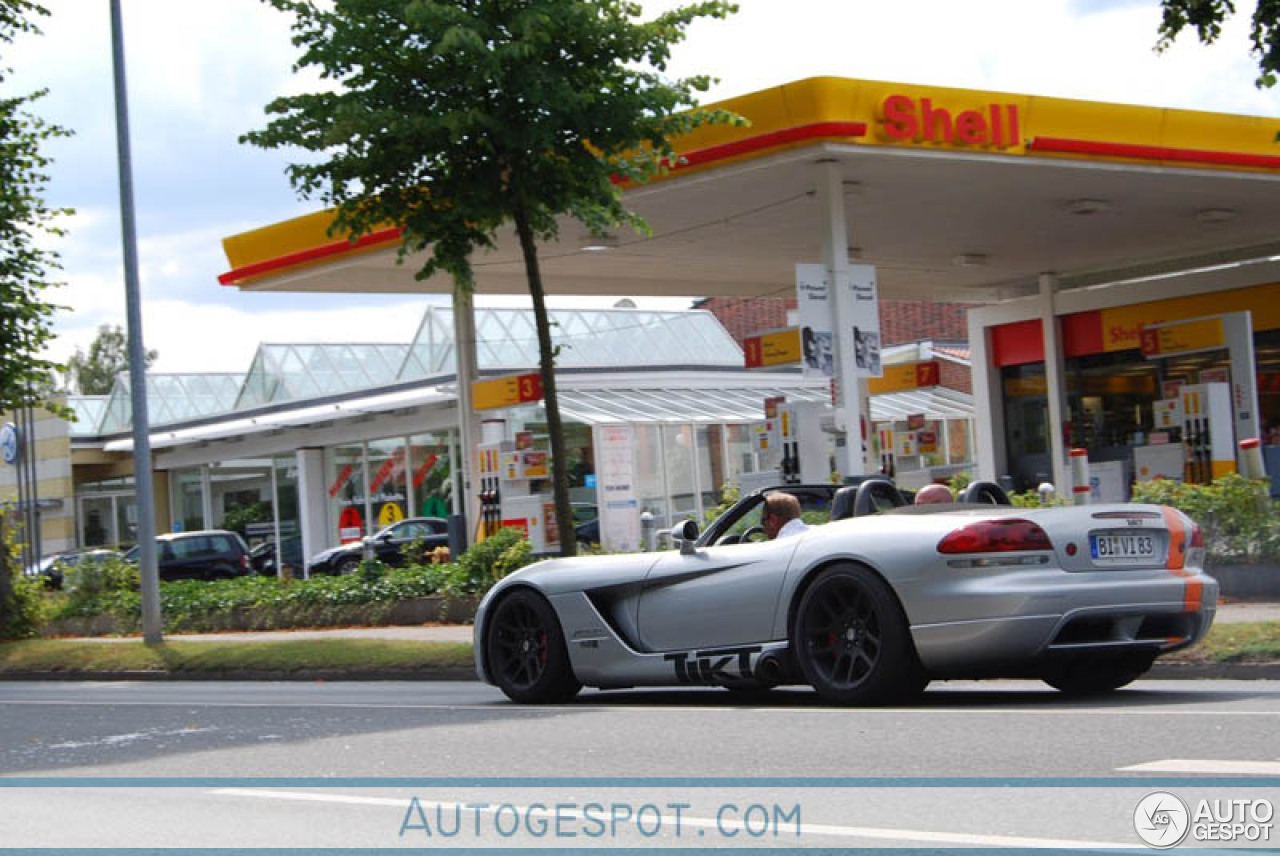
(952, 195)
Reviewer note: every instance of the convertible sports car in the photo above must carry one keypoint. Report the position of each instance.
(867, 606)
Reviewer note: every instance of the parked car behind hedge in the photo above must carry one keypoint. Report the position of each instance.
(212, 554)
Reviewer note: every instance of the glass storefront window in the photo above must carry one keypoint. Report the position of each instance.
(388, 483)
(286, 508)
(651, 488)
(710, 463)
(678, 447)
(1026, 424)
(188, 500)
(741, 452)
(430, 474)
(958, 441)
(348, 510)
(96, 521)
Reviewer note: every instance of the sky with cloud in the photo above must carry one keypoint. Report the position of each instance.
(200, 72)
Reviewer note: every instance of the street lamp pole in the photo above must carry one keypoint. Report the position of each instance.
(137, 363)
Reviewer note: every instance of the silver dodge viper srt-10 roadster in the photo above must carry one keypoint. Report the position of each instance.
(867, 605)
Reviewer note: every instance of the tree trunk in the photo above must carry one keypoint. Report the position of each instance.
(546, 365)
(6, 575)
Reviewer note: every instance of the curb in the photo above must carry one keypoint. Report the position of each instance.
(1215, 671)
(452, 673)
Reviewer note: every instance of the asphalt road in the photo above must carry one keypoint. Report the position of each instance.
(621, 748)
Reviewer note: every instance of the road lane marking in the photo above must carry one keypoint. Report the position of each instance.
(1186, 765)
(828, 830)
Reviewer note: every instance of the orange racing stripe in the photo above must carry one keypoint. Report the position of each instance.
(1179, 542)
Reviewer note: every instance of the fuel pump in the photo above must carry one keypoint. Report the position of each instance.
(1208, 437)
(804, 447)
(506, 497)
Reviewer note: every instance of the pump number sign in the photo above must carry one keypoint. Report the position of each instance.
(508, 391)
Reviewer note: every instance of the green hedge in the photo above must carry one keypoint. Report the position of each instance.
(1240, 521)
(195, 605)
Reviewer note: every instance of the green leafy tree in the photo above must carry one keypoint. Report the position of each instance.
(1206, 18)
(455, 119)
(94, 373)
(25, 312)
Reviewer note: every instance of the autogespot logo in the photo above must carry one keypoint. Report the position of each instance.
(1161, 820)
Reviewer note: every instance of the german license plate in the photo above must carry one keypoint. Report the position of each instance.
(1123, 547)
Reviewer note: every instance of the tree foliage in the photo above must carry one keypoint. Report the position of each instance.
(94, 373)
(25, 220)
(454, 119)
(1206, 18)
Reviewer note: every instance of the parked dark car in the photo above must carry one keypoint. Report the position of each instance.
(263, 556)
(586, 523)
(387, 545)
(211, 554)
(53, 569)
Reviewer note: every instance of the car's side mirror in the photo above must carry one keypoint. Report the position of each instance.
(686, 532)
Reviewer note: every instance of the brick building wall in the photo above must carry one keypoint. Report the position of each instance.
(901, 321)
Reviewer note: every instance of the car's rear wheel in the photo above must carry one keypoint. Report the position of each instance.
(348, 566)
(526, 653)
(1097, 676)
(852, 641)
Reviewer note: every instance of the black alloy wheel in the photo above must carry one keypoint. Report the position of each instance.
(852, 641)
(526, 653)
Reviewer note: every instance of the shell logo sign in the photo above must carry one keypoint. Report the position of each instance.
(904, 119)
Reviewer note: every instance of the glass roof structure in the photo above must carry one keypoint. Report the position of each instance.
(345, 376)
(296, 372)
(170, 398)
(506, 339)
(88, 410)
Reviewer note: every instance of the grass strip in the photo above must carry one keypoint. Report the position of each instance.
(1226, 643)
(35, 655)
(1235, 643)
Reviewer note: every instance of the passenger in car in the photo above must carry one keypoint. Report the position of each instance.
(934, 493)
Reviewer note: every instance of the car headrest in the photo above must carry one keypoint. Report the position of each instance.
(986, 492)
(842, 502)
(874, 496)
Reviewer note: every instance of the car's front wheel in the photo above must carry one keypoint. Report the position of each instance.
(1098, 676)
(525, 650)
(852, 641)
(348, 566)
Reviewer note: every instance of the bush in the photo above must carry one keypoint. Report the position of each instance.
(513, 559)
(89, 579)
(20, 600)
(1239, 520)
(480, 560)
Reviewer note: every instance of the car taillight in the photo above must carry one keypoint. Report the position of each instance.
(996, 536)
(1197, 537)
(244, 562)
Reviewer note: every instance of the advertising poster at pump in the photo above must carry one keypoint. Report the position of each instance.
(618, 507)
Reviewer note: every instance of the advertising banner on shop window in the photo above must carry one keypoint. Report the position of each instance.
(619, 508)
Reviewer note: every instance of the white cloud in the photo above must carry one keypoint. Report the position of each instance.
(200, 73)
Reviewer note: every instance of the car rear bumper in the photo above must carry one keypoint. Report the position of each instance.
(1009, 626)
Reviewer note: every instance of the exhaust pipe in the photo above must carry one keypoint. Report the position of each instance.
(770, 670)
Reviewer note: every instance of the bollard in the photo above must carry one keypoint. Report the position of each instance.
(1079, 477)
(1251, 464)
(1048, 493)
(647, 535)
